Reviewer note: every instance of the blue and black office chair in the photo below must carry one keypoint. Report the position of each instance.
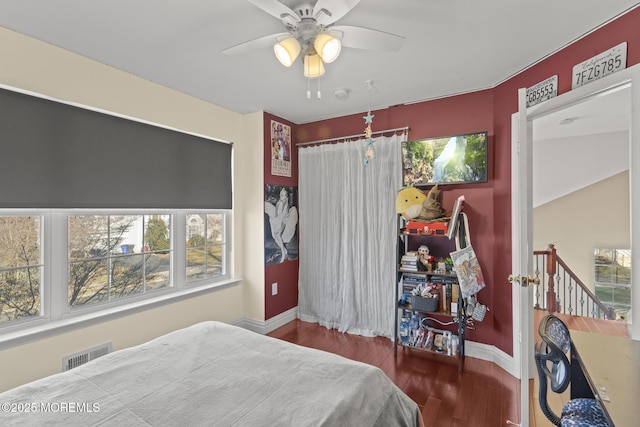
(553, 366)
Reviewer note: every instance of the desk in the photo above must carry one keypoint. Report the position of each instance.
(605, 366)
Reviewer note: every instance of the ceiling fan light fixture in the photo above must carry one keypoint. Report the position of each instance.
(287, 51)
(313, 66)
(327, 46)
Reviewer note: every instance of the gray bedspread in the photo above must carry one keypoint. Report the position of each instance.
(213, 374)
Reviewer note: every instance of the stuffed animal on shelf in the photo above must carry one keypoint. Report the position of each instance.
(413, 204)
(425, 259)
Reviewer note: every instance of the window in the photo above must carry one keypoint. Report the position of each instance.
(612, 279)
(115, 256)
(105, 259)
(206, 246)
(98, 236)
(20, 267)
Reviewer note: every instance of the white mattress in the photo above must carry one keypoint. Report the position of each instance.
(213, 374)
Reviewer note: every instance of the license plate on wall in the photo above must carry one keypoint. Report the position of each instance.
(604, 64)
(542, 91)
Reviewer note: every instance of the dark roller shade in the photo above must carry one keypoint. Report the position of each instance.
(55, 155)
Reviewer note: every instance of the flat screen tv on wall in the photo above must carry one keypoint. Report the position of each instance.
(458, 159)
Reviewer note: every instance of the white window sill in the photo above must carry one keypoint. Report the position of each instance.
(45, 328)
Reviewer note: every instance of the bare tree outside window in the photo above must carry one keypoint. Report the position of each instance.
(20, 267)
(106, 257)
(103, 262)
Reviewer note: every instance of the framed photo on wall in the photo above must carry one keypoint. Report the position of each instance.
(280, 224)
(280, 149)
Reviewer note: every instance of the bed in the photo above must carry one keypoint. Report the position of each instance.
(213, 374)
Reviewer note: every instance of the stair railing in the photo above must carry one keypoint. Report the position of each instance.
(561, 289)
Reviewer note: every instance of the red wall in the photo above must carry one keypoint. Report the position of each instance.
(622, 29)
(285, 273)
(488, 206)
(449, 116)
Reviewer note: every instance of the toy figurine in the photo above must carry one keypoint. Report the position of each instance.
(425, 259)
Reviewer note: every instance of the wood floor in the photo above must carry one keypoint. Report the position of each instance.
(482, 395)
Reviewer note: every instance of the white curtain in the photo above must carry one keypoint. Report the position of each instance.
(348, 235)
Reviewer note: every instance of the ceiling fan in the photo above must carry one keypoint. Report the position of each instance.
(310, 31)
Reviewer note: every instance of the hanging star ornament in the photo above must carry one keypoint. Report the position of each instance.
(368, 155)
(368, 120)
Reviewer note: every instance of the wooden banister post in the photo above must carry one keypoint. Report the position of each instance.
(551, 272)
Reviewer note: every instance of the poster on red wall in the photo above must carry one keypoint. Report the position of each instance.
(280, 149)
(280, 224)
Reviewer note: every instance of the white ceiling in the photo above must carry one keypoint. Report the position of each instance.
(600, 114)
(581, 144)
(451, 47)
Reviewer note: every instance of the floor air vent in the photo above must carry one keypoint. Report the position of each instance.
(74, 360)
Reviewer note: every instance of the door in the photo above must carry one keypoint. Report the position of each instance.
(522, 211)
(522, 252)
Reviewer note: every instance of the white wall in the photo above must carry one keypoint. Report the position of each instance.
(564, 165)
(594, 216)
(39, 67)
(581, 196)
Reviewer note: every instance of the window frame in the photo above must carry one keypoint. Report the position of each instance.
(615, 304)
(43, 264)
(226, 235)
(69, 310)
(57, 315)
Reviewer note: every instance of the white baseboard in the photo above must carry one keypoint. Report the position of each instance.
(490, 353)
(264, 327)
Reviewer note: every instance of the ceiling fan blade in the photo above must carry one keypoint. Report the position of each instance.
(368, 39)
(275, 8)
(327, 12)
(259, 43)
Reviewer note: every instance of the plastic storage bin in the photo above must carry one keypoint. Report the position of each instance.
(424, 304)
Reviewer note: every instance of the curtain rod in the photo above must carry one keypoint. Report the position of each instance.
(361, 135)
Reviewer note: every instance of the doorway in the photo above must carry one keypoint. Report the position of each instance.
(524, 125)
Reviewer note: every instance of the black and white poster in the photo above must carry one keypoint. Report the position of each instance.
(280, 224)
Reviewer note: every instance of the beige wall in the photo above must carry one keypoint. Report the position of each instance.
(250, 207)
(31, 65)
(595, 216)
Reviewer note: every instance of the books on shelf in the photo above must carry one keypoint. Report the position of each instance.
(409, 261)
(447, 284)
(414, 278)
(447, 291)
(411, 255)
(455, 293)
(412, 283)
(411, 280)
(443, 297)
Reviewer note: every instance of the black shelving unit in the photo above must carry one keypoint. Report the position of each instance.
(437, 321)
